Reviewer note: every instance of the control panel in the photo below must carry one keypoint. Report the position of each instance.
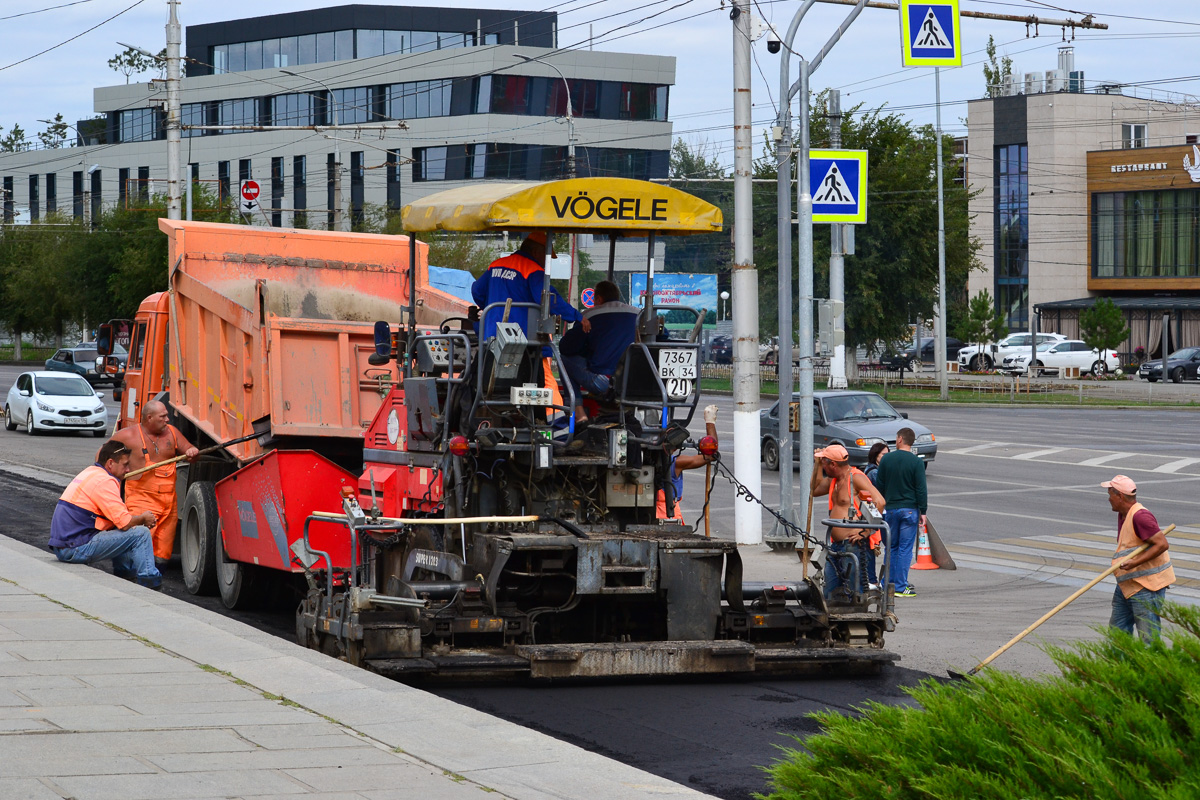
(530, 395)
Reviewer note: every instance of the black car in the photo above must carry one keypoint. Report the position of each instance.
(81, 360)
(720, 350)
(907, 358)
(1182, 364)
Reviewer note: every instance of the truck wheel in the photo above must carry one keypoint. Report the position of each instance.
(199, 528)
(238, 583)
(770, 455)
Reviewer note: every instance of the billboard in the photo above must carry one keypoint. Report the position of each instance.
(678, 289)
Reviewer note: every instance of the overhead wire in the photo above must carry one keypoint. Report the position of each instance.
(73, 38)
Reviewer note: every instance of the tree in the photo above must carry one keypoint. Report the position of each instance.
(694, 163)
(982, 323)
(994, 72)
(1102, 326)
(130, 62)
(55, 134)
(14, 141)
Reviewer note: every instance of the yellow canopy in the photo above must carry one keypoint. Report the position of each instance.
(579, 204)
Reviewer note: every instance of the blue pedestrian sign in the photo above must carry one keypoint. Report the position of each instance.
(930, 33)
(837, 180)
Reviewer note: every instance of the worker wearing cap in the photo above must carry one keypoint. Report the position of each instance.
(91, 523)
(1142, 580)
(519, 277)
(156, 442)
(678, 465)
(846, 487)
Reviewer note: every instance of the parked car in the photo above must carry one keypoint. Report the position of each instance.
(54, 401)
(1181, 365)
(81, 360)
(907, 358)
(991, 356)
(1053, 357)
(855, 420)
(720, 350)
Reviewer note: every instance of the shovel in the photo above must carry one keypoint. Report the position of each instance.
(1074, 596)
(215, 447)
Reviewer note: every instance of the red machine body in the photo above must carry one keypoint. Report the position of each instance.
(403, 481)
(263, 507)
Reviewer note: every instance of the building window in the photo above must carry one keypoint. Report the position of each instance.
(35, 202)
(237, 112)
(331, 168)
(505, 161)
(277, 191)
(1151, 234)
(299, 192)
(143, 185)
(96, 197)
(393, 181)
(51, 193)
(296, 109)
(9, 204)
(585, 98)
(244, 171)
(1133, 135)
(418, 100)
(192, 114)
(1011, 234)
(123, 187)
(341, 45)
(138, 125)
(357, 187)
(223, 180)
(352, 106)
(77, 195)
(510, 94)
(643, 101)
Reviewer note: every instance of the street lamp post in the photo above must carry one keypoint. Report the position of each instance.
(570, 155)
(724, 308)
(337, 151)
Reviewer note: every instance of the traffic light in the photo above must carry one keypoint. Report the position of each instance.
(829, 336)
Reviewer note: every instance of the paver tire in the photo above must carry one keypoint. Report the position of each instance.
(770, 455)
(9, 423)
(239, 584)
(198, 534)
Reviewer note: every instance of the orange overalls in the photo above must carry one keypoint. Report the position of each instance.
(154, 491)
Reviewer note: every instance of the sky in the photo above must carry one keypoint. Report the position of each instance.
(1151, 45)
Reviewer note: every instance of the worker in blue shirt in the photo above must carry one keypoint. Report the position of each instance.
(593, 349)
(521, 278)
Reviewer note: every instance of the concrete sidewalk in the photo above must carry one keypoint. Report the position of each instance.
(108, 690)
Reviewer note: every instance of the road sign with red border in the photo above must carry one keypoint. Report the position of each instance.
(588, 298)
(248, 192)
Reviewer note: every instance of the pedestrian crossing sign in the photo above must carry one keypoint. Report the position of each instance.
(837, 180)
(930, 33)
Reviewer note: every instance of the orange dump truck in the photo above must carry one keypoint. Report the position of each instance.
(268, 331)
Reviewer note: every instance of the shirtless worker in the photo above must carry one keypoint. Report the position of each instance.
(846, 487)
(151, 442)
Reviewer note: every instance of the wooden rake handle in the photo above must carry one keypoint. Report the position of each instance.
(1074, 596)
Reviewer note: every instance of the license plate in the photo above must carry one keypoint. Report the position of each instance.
(677, 364)
(75, 421)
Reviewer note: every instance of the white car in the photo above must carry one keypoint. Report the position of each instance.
(46, 401)
(991, 356)
(1052, 357)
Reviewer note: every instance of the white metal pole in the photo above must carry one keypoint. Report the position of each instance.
(746, 390)
(837, 264)
(174, 143)
(939, 347)
(805, 248)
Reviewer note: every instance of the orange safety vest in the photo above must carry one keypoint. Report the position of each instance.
(1155, 574)
(876, 537)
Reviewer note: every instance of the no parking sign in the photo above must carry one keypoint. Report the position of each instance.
(588, 298)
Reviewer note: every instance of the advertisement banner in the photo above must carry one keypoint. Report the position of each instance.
(678, 289)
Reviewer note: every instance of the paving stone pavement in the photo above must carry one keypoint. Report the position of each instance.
(112, 692)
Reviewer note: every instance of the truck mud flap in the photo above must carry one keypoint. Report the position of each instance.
(637, 659)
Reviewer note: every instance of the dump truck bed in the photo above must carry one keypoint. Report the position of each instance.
(278, 323)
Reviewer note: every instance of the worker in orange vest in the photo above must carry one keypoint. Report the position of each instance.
(1142, 580)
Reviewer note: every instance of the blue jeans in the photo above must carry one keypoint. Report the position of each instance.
(1140, 610)
(591, 382)
(903, 525)
(131, 551)
(839, 571)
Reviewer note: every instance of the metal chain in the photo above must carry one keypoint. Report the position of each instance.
(741, 491)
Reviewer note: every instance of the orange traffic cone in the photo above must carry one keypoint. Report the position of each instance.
(924, 554)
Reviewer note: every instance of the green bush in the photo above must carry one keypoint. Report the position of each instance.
(1122, 721)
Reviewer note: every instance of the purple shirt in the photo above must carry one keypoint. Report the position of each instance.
(1144, 524)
